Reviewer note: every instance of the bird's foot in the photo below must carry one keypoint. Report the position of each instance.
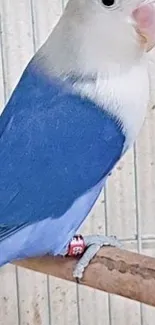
(88, 246)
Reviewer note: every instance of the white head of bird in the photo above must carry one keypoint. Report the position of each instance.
(93, 34)
(107, 39)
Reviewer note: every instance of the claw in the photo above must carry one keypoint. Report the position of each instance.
(88, 246)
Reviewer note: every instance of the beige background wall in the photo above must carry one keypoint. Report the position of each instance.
(126, 209)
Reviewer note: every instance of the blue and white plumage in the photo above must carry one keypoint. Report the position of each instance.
(77, 108)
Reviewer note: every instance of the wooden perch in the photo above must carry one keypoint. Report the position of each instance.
(112, 270)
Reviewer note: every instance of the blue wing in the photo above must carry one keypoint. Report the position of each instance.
(56, 149)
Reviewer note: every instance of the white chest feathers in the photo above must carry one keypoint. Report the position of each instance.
(123, 95)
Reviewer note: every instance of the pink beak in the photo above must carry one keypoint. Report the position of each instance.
(144, 17)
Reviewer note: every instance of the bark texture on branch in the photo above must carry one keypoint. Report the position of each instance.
(112, 270)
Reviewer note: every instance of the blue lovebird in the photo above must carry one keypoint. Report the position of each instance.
(77, 108)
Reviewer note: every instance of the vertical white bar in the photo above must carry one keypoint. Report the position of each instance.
(121, 220)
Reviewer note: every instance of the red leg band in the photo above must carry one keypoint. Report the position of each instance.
(77, 246)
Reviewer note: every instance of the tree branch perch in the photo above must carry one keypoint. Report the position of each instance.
(112, 270)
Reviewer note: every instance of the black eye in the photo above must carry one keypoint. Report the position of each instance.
(108, 3)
